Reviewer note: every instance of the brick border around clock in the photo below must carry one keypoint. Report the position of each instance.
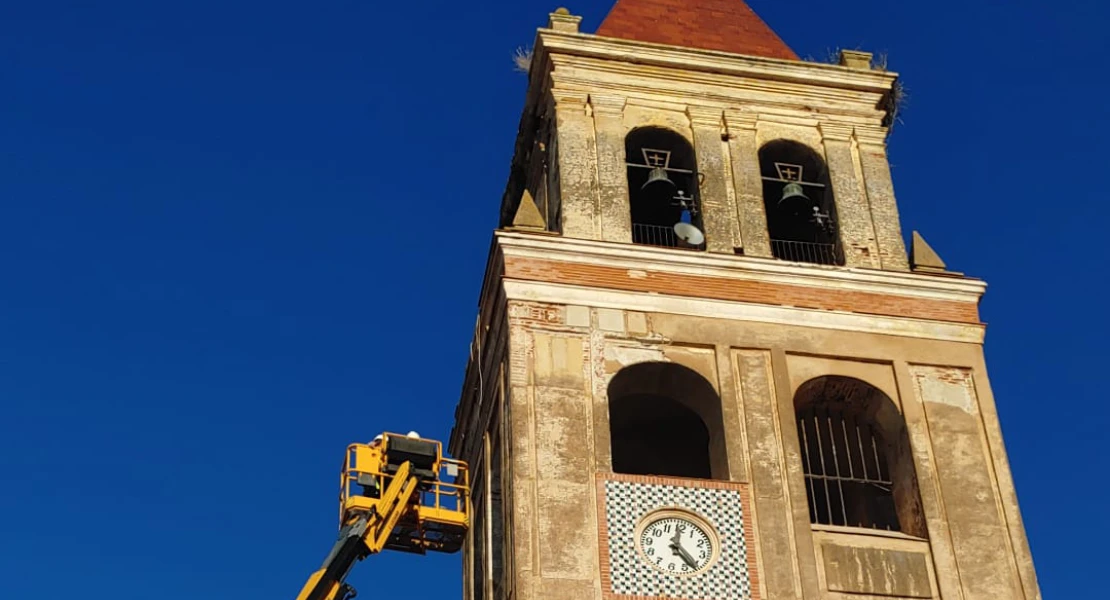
(603, 527)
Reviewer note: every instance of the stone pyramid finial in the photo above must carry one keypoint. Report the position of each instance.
(923, 258)
(528, 214)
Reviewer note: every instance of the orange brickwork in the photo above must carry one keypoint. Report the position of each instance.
(724, 25)
(737, 290)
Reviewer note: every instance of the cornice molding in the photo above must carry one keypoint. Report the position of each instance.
(608, 105)
(736, 121)
(705, 116)
(534, 291)
(836, 132)
(633, 257)
(871, 136)
(570, 100)
(619, 50)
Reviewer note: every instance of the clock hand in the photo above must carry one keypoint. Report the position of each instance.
(686, 556)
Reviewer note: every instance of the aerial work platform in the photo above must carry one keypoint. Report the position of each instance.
(396, 493)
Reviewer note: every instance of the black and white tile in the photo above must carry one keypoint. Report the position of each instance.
(626, 503)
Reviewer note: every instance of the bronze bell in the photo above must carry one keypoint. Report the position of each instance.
(658, 180)
(794, 198)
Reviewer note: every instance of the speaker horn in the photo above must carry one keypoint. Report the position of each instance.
(689, 233)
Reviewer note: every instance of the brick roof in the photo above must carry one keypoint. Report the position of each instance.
(725, 25)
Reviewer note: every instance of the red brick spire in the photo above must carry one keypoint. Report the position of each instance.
(725, 25)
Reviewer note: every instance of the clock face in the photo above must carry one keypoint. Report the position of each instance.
(677, 543)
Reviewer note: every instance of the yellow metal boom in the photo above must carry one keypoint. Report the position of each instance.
(396, 494)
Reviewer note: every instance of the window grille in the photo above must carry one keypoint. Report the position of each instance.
(848, 479)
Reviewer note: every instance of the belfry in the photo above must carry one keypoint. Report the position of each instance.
(705, 365)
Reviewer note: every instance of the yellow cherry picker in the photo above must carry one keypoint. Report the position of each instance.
(396, 493)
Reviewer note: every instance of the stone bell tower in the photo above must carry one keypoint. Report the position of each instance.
(704, 366)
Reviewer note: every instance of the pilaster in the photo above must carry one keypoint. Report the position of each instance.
(574, 131)
(857, 234)
(718, 213)
(750, 213)
(880, 192)
(613, 210)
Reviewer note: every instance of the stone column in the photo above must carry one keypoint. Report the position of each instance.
(574, 132)
(880, 193)
(857, 234)
(717, 213)
(614, 210)
(751, 215)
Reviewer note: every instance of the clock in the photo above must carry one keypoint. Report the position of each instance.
(677, 542)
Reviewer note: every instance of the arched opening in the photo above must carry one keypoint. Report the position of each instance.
(801, 211)
(663, 189)
(856, 457)
(655, 435)
(665, 419)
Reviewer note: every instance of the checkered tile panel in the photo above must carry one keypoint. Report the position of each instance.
(626, 503)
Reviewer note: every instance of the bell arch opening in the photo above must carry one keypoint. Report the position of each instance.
(665, 419)
(663, 189)
(801, 210)
(856, 457)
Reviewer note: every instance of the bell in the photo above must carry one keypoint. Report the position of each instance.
(794, 198)
(658, 180)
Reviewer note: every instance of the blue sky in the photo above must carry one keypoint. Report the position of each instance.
(218, 216)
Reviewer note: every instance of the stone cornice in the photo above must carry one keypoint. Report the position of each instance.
(619, 50)
(610, 105)
(736, 120)
(872, 136)
(633, 257)
(705, 116)
(836, 132)
(535, 291)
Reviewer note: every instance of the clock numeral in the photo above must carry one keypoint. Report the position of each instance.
(657, 532)
(667, 528)
(704, 555)
(701, 543)
(671, 566)
(651, 551)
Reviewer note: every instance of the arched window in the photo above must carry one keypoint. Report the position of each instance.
(855, 456)
(663, 189)
(665, 419)
(801, 213)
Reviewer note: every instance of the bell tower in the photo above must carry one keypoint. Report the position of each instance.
(705, 366)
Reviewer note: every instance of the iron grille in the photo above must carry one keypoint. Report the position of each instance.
(848, 481)
(658, 235)
(808, 252)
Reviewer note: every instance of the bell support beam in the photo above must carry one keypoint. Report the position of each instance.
(718, 212)
(615, 216)
(857, 235)
(743, 147)
(880, 192)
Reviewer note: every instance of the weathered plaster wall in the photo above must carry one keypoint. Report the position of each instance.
(726, 118)
(562, 358)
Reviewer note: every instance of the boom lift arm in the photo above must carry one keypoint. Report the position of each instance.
(399, 494)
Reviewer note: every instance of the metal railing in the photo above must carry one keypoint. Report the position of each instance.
(809, 252)
(659, 235)
(848, 481)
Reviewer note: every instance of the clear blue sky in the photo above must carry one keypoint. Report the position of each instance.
(237, 235)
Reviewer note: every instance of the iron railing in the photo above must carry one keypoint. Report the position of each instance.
(659, 235)
(848, 481)
(809, 252)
